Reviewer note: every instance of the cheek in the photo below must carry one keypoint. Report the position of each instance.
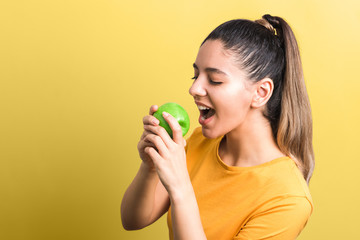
(236, 106)
(238, 97)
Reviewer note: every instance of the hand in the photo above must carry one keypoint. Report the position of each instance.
(148, 120)
(168, 155)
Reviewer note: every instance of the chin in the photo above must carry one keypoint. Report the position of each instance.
(208, 133)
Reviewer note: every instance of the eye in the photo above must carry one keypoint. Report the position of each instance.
(214, 82)
(210, 81)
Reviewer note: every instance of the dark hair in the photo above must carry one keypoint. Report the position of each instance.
(267, 48)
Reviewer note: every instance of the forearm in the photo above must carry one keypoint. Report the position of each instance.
(185, 216)
(138, 201)
(169, 159)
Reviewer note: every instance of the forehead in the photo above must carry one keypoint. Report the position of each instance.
(213, 51)
(212, 54)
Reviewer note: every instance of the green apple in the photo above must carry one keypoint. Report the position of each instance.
(178, 112)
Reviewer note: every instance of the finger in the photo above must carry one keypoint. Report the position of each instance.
(142, 136)
(145, 132)
(143, 143)
(160, 131)
(159, 144)
(175, 127)
(153, 109)
(154, 155)
(150, 120)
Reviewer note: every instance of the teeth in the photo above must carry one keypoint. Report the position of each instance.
(203, 108)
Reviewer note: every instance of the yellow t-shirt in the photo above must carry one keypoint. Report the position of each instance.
(267, 201)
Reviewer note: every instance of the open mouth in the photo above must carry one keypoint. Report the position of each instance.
(206, 112)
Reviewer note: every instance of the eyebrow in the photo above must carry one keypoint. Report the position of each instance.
(212, 70)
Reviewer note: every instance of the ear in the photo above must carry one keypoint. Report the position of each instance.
(263, 92)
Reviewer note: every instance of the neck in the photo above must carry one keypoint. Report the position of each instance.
(250, 144)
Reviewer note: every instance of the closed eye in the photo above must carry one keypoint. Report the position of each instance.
(211, 81)
(214, 82)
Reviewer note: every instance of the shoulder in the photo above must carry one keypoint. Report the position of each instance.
(284, 203)
(283, 180)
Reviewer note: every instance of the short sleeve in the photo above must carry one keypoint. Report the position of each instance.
(281, 219)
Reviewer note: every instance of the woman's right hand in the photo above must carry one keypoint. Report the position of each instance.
(143, 143)
(146, 199)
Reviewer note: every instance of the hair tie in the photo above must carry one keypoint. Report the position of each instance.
(266, 24)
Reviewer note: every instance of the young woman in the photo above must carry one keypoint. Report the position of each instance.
(244, 174)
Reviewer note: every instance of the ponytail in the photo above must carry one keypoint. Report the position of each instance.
(294, 135)
(267, 48)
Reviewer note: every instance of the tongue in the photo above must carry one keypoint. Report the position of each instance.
(209, 113)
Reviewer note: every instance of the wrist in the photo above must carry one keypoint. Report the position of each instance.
(182, 194)
(145, 169)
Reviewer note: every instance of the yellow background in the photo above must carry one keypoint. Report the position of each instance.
(78, 76)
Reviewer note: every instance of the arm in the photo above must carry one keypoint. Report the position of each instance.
(185, 216)
(146, 199)
(169, 160)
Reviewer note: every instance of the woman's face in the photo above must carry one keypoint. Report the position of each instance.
(221, 91)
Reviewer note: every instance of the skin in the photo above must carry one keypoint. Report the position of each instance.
(163, 178)
(239, 104)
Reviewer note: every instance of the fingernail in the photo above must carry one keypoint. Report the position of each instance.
(155, 121)
(165, 114)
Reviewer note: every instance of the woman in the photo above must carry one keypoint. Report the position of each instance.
(244, 173)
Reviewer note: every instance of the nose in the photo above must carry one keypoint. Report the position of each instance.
(197, 89)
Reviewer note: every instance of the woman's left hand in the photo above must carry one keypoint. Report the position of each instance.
(169, 157)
